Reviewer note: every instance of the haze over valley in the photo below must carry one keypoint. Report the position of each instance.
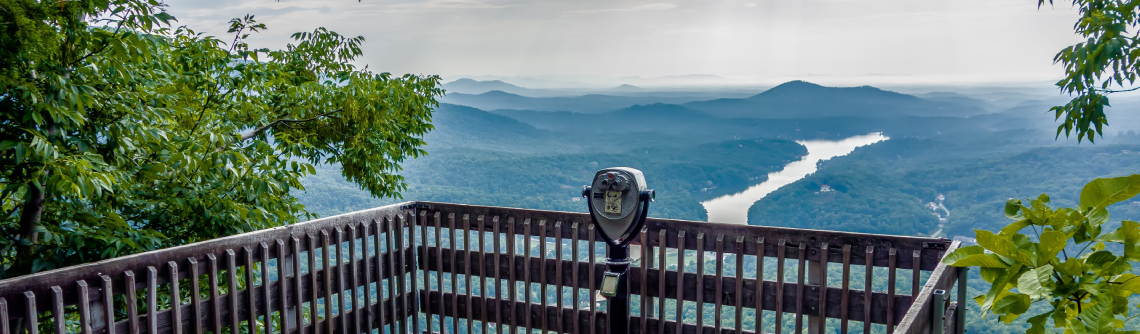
(509, 149)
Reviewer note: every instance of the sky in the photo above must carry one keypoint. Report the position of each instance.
(741, 41)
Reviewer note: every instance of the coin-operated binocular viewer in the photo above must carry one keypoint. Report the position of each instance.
(619, 201)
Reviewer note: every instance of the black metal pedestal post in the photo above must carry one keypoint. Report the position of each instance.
(617, 261)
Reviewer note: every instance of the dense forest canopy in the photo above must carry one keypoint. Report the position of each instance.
(119, 133)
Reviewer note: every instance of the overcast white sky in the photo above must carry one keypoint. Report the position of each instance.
(917, 41)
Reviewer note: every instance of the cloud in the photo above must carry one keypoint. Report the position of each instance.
(750, 4)
(653, 6)
(432, 5)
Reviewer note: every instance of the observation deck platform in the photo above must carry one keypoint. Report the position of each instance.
(422, 267)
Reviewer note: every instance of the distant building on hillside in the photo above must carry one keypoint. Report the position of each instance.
(965, 240)
(940, 197)
(825, 188)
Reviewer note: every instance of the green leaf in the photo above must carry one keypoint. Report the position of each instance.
(1052, 242)
(1037, 282)
(1128, 282)
(1099, 259)
(973, 256)
(1016, 303)
(999, 286)
(1128, 235)
(1001, 245)
(1037, 323)
(1098, 318)
(1013, 209)
(1101, 193)
(1098, 217)
(1015, 227)
(1071, 267)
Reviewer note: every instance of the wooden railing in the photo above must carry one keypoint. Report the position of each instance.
(423, 267)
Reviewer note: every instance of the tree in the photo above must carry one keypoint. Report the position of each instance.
(120, 133)
(1087, 282)
(1105, 63)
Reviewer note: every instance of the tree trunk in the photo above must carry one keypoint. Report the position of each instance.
(29, 220)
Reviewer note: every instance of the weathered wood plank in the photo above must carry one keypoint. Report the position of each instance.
(439, 264)
(718, 298)
(758, 303)
(298, 294)
(661, 272)
(800, 289)
(232, 293)
(646, 256)
(917, 319)
(423, 216)
(576, 316)
(479, 309)
(108, 302)
(282, 287)
(5, 323)
(822, 279)
(215, 295)
(558, 269)
(31, 315)
(781, 249)
(527, 321)
(843, 307)
(793, 236)
(410, 300)
(498, 277)
(84, 307)
(151, 299)
(542, 277)
(512, 283)
(679, 295)
(867, 286)
(195, 295)
(350, 305)
(593, 314)
(175, 295)
(454, 273)
(57, 310)
(40, 282)
(891, 281)
(700, 282)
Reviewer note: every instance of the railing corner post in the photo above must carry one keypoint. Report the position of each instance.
(939, 311)
(960, 314)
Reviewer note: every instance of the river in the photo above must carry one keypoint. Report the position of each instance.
(734, 208)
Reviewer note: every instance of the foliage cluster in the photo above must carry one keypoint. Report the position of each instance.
(119, 133)
(1088, 290)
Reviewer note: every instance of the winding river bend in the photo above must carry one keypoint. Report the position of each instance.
(734, 208)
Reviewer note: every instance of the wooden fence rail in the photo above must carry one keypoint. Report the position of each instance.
(422, 267)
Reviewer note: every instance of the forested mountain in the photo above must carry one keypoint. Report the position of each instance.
(886, 188)
(975, 150)
(883, 188)
(554, 182)
(805, 100)
(469, 86)
(586, 104)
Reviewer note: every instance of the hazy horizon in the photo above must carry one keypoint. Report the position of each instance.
(746, 42)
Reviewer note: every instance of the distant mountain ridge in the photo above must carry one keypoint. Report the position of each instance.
(586, 104)
(469, 86)
(801, 99)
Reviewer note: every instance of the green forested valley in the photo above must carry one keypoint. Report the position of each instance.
(950, 164)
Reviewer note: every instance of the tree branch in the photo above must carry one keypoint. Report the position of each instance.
(262, 128)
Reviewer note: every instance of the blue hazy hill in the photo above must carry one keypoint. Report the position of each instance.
(470, 86)
(590, 103)
(805, 100)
